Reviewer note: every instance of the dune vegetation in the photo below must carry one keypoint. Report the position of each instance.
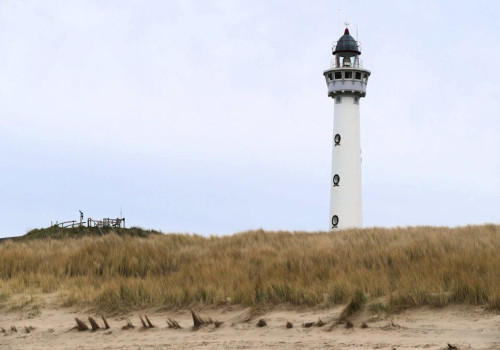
(387, 269)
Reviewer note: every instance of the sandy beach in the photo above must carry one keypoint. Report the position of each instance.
(444, 279)
(466, 327)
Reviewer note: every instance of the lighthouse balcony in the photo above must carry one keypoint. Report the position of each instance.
(346, 81)
(342, 62)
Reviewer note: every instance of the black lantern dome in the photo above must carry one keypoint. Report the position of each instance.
(347, 45)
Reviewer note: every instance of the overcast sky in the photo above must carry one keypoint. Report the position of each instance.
(212, 117)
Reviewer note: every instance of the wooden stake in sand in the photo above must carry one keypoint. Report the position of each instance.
(80, 325)
(106, 325)
(129, 325)
(173, 324)
(319, 323)
(199, 322)
(150, 325)
(143, 323)
(94, 324)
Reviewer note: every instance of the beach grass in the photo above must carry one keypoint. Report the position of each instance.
(386, 269)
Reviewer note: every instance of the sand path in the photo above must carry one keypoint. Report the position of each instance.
(465, 326)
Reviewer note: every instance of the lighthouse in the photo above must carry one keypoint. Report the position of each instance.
(346, 80)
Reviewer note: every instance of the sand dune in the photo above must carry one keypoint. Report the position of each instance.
(465, 327)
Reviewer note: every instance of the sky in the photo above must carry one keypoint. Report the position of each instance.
(212, 117)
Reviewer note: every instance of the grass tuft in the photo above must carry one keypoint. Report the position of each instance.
(355, 304)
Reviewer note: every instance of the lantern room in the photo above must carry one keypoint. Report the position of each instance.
(346, 51)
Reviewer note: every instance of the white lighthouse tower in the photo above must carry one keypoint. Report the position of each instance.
(346, 80)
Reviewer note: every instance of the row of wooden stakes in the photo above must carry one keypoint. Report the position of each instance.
(27, 329)
(198, 322)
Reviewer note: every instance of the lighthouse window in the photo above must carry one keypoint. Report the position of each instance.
(356, 100)
(335, 221)
(338, 75)
(336, 180)
(357, 76)
(365, 77)
(330, 76)
(336, 139)
(348, 75)
(338, 99)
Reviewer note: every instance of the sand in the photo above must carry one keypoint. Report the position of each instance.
(467, 327)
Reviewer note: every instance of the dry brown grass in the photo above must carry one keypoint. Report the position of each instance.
(395, 268)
